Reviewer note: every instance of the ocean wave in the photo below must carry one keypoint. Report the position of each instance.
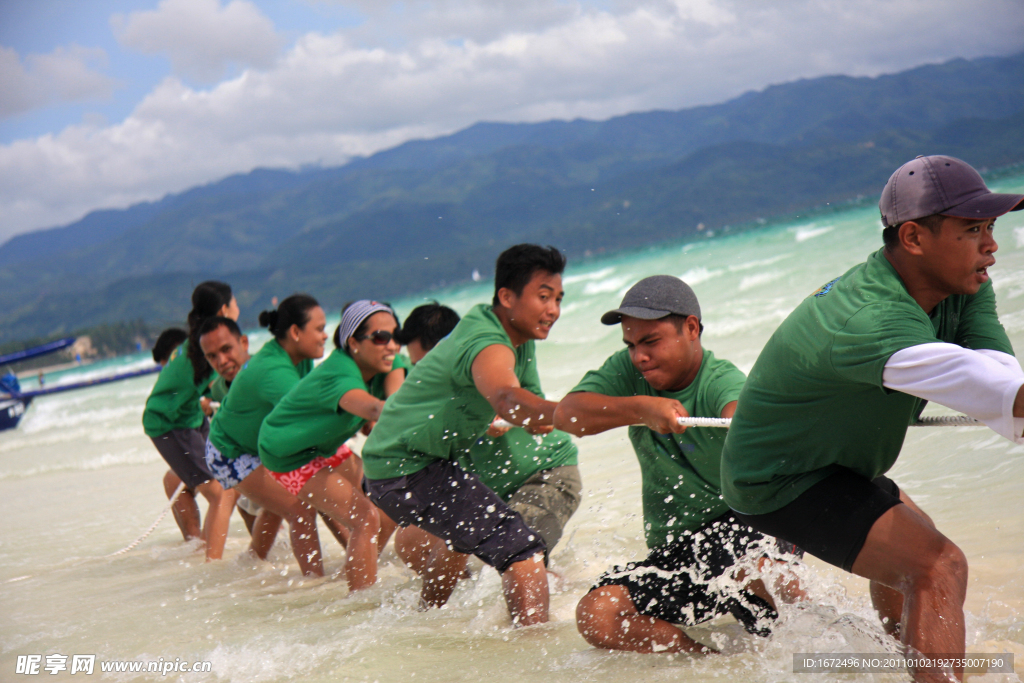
(810, 232)
(45, 418)
(751, 281)
(699, 274)
(583, 277)
(744, 321)
(612, 284)
(758, 263)
(102, 462)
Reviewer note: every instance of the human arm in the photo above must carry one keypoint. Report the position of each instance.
(393, 380)
(586, 412)
(986, 385)
(494, 376)
(729, 410)
(361, 404)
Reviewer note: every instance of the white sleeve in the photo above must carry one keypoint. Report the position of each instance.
(983, 385)
(1004, 359)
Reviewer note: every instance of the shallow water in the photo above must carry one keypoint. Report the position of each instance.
(79, 480)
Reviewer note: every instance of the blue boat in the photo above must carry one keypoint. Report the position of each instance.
(14, 402)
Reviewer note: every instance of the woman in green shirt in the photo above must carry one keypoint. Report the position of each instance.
(173, 418)
(300, 439)
(232, 448)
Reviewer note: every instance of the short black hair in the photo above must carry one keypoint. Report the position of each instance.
(891, 233)
(169, 339)
(429, 323)
(213, 322)
(678, 321)
(516, 266)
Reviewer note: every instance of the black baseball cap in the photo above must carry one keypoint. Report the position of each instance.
(655, 297)
(941, 185)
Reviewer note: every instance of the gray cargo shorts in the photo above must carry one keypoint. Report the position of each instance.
(547, 500)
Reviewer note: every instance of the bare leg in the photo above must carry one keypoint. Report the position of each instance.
(352, 470)
(184, 509)
(430, 557)
(218, 519)
(607, 618)
(413, 544)
(249, 519)
(888, 602)
(264, 533)
(525, 584)
(218, 515)
(387, 528)
(339, 531)
(331, 493)
(786, 588)
(906, 553)
(269, 494)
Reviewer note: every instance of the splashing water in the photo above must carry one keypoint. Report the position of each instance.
(80, 480)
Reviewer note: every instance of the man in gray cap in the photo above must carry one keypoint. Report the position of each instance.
(826, 408)
(690, 574)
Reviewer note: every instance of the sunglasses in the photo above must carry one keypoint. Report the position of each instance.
(378, 337)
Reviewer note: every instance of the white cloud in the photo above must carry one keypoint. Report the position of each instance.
(64, 75)
(403, 74)
(201, 38)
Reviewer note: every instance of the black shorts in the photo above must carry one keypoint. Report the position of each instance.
(185, 453)
(677, 582)
(452, 504)
(831, 520)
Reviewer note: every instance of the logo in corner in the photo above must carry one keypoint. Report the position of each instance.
(825, 288)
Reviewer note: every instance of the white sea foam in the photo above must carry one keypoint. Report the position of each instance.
(810, 232)
(611, 284)
(759, 263)
(583, 277)
(751, 281)
(695, 276)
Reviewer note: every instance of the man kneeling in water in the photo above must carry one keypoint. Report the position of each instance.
(447, 402)
(538, 479)
(691, 573)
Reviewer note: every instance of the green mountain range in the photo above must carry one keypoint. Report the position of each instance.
(431, 211)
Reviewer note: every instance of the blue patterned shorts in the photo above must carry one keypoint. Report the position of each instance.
(229, 472)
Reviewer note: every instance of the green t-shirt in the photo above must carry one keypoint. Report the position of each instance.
(307, 422)
(218, 389)
(257, 388)
(174, 401)
(505, 462)
(680, 473)
(815, 400)
(438, 414)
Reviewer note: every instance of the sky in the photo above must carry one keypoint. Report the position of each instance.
(106, 103)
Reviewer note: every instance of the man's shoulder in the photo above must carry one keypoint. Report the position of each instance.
(616, 376)
(714, 369)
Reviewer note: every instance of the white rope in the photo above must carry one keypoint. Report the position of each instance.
(140, 539)
(724, 422)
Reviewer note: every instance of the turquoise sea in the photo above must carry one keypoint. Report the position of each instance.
(79, 480)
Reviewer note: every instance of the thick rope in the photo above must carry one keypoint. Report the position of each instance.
(140, 539)
(945, 421)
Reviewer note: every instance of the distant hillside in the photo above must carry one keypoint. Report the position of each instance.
(430, 211)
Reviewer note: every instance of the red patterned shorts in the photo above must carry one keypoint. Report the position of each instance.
(294, 481)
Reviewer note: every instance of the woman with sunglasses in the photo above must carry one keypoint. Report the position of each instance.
(232, 448)
(300, 439)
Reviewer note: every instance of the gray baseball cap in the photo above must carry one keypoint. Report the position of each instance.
(941, 185)
(655, 297)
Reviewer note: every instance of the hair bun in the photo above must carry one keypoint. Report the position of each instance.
(268, 319)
